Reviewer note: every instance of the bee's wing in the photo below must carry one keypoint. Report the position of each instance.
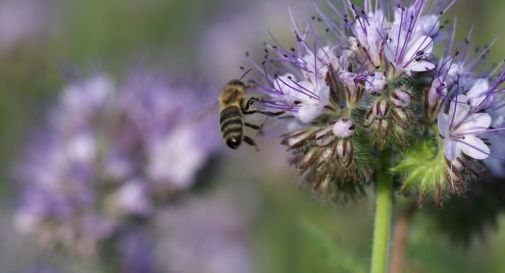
(202, 114)
(272, 125)
(207, 112)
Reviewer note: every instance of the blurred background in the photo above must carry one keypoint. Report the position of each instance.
(65, 66)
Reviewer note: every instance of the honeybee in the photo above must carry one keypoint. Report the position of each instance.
(233, 105)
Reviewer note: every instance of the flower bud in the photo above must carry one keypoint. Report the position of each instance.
(328, 163)
(381, 109)
(381, 126)
(343, 128)
(353, 90)
(295, 139)
(400, 98)
(437, 92)
(369, 118)
(434, 97)
(400, 134)
(324, 137)
(325, 156)
(400, 117)
(384, 125)
(345, 152)
(376, 82)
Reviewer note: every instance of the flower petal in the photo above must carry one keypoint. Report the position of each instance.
(459, 109)
(451, 149)
(310, 93)
(443, 124)
(474, 123)
(285, 84)
(477, 93)
(427, 25)
(324, 95)
(307, 113)
(375, 83)
(420, 66)
(418, 46)
(474, 147)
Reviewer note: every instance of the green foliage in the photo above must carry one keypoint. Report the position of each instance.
(336, 257)
(424, 170)
(429, 252)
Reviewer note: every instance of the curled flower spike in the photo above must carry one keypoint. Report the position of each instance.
(434, 98)
(328, 160)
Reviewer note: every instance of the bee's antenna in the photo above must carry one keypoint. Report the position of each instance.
(247, 72)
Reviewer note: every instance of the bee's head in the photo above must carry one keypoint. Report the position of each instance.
(233, 142)
(237, 83)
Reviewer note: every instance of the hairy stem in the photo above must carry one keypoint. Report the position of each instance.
(383, 211)
(400, 238)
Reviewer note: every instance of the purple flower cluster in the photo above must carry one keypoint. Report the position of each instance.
(474, 108)
(367, 53)
(110, 152)
(362, 78)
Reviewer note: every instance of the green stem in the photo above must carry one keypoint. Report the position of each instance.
(383, 211)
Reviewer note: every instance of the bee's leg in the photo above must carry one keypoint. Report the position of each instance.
(248, 103)
(251, 101)
(247, 111)
(251, 142)
(258, 128)
(266, 113)
(253, 126)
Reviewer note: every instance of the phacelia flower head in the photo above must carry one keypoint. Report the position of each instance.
(355, 83)
(108, 153)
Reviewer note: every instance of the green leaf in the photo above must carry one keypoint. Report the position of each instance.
(336, 256)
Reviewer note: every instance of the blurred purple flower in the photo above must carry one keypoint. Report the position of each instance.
(224, 43)
(42, 269)
(20, 21)
(137, 252)
(204, 235)
(109, 153)
(164, 123)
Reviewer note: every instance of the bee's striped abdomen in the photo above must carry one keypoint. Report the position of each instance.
(231, 126)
